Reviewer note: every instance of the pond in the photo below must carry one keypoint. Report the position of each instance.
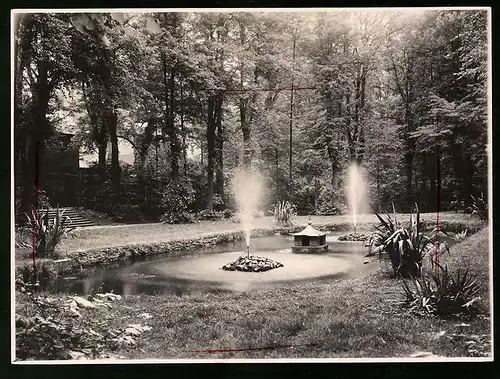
(201, 269)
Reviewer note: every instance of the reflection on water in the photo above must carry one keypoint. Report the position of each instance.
(200, 270)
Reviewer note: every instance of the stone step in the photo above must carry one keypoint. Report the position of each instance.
(77, 219)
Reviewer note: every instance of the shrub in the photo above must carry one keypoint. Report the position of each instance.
(479, 207)
(48, 234)
(406, 247)
(177, 197)
(444, 294)
(179, 218)
(218, 202)
(210, 214)
(228, 213)
(283, 213)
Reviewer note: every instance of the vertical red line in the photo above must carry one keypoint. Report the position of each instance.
(34, 208)
(438, 200)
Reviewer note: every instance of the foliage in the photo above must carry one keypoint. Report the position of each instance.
(284, 212)
(183, 217)
(48, 233)
(479, 207)
(444, 293)
(396, 93)
(208, 214)
(51, 328)
(218, 203)
(176, 199)
(406, 247)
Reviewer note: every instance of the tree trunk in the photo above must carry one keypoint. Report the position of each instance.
(172, 132)
(115, 164)
(219, 148)
(184, 151)
(211, 128)
(39, 130)
(409, 157)
(245, 129)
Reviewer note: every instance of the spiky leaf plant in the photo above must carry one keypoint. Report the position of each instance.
(283, 213)
(405, 247)
(442, 293)
(48, 233)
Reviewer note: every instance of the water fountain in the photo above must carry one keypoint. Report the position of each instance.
(247, 187)
(356, 196)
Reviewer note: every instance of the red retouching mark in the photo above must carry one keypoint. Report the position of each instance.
(251, 348)
(34, 215)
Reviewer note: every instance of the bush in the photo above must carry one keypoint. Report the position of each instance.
(48, 234)
(228, 213)
(210, 214)
(329, 203)
(177, 198)
(283, 213)
(218, 202)
(406, 247)
(444, 294)
(179, 218)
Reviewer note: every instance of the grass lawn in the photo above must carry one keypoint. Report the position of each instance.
(343, 318)
(357, 317)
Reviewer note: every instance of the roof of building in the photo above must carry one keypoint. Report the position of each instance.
(309, 231)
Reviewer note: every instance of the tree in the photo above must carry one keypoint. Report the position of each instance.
(43, 65)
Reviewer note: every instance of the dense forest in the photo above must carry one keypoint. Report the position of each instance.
(295, 96)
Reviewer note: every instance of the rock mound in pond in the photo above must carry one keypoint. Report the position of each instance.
(354, 237)
(252, 263)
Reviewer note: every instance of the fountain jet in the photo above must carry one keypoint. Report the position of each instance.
(356, 192)
(247, 188)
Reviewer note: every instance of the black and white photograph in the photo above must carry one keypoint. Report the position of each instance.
(251, 185)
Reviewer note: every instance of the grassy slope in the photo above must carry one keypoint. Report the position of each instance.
(357, 317)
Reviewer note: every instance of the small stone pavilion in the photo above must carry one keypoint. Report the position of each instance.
(309, 240)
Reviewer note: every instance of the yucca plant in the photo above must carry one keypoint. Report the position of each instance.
(406, 247)
(48, 233)
(283, 212)
(443, 294)
(479, 206)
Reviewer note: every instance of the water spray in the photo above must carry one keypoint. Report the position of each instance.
(356, 192)
(247, 187)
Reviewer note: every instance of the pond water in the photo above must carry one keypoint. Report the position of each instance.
(201, 269)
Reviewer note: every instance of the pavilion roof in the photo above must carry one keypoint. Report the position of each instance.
(309, 231)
